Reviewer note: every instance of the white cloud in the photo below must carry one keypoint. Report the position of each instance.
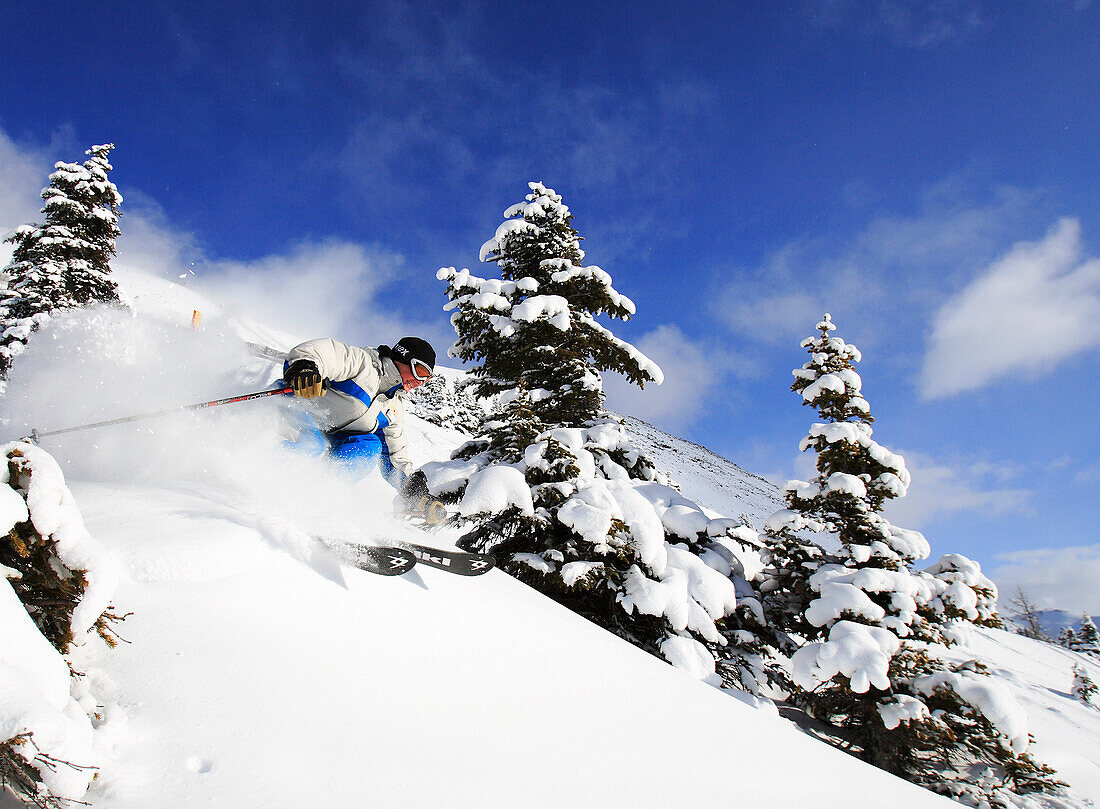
(24, 171)
(781, 301)
(1088, 476)
(920, 24)
(692, 372)
(882, 279)
(1054, 578)
(314, 289)
(151, 243)
(942, 489)
(1031, 309)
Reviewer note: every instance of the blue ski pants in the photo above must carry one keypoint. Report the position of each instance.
(355, 453)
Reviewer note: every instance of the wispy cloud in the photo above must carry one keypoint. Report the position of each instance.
(314, 289)
(888, 275)
(1054, 578)
(149, 241)
(1089, 475)
(905, 23)
(918, 23)
(692, 369)
(23, 172)
(1033, 308)
(942, 489)
(332, 287)
(449, 133)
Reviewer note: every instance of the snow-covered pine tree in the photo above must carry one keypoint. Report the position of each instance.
(790, 559)
(1088, 639)
(442, 400)
(969, 595)
(874, 675)
(55, 587)
(553, 485)
(855, 477)
(1084, 688)
(65, 262)
(1067, 637)
(536, 325)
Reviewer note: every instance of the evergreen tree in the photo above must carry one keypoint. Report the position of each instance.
(1067, 637)
(65, 262)
(1084, 688)
(1088, 639)
(553, 485)
(871, 670)
(536, 325)
(443, 400)
(790, 560)
(968, 595)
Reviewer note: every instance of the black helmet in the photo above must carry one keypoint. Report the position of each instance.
(413, 348)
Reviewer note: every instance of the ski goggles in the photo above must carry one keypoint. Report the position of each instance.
(420, 369)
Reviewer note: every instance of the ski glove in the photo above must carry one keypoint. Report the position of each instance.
(304, 378)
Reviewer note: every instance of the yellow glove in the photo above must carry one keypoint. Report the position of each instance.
(305, 379)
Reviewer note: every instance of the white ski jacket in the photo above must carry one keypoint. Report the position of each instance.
(363, 394)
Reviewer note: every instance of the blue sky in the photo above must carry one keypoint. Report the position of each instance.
(925, 171)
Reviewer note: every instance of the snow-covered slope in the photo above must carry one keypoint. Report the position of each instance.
(1040, 675)
(261, 671)
(705, 477)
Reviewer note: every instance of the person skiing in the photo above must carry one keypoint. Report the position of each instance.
(355, 409)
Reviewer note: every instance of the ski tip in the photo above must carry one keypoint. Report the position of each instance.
(385, 561)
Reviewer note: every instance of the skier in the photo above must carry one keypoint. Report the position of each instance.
(356, 411)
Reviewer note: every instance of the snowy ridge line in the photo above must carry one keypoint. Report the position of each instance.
(720, 465)
(764, 482)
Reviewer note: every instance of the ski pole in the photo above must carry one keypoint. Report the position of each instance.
(35, 434)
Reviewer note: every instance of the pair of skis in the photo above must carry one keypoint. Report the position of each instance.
(397, 559)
